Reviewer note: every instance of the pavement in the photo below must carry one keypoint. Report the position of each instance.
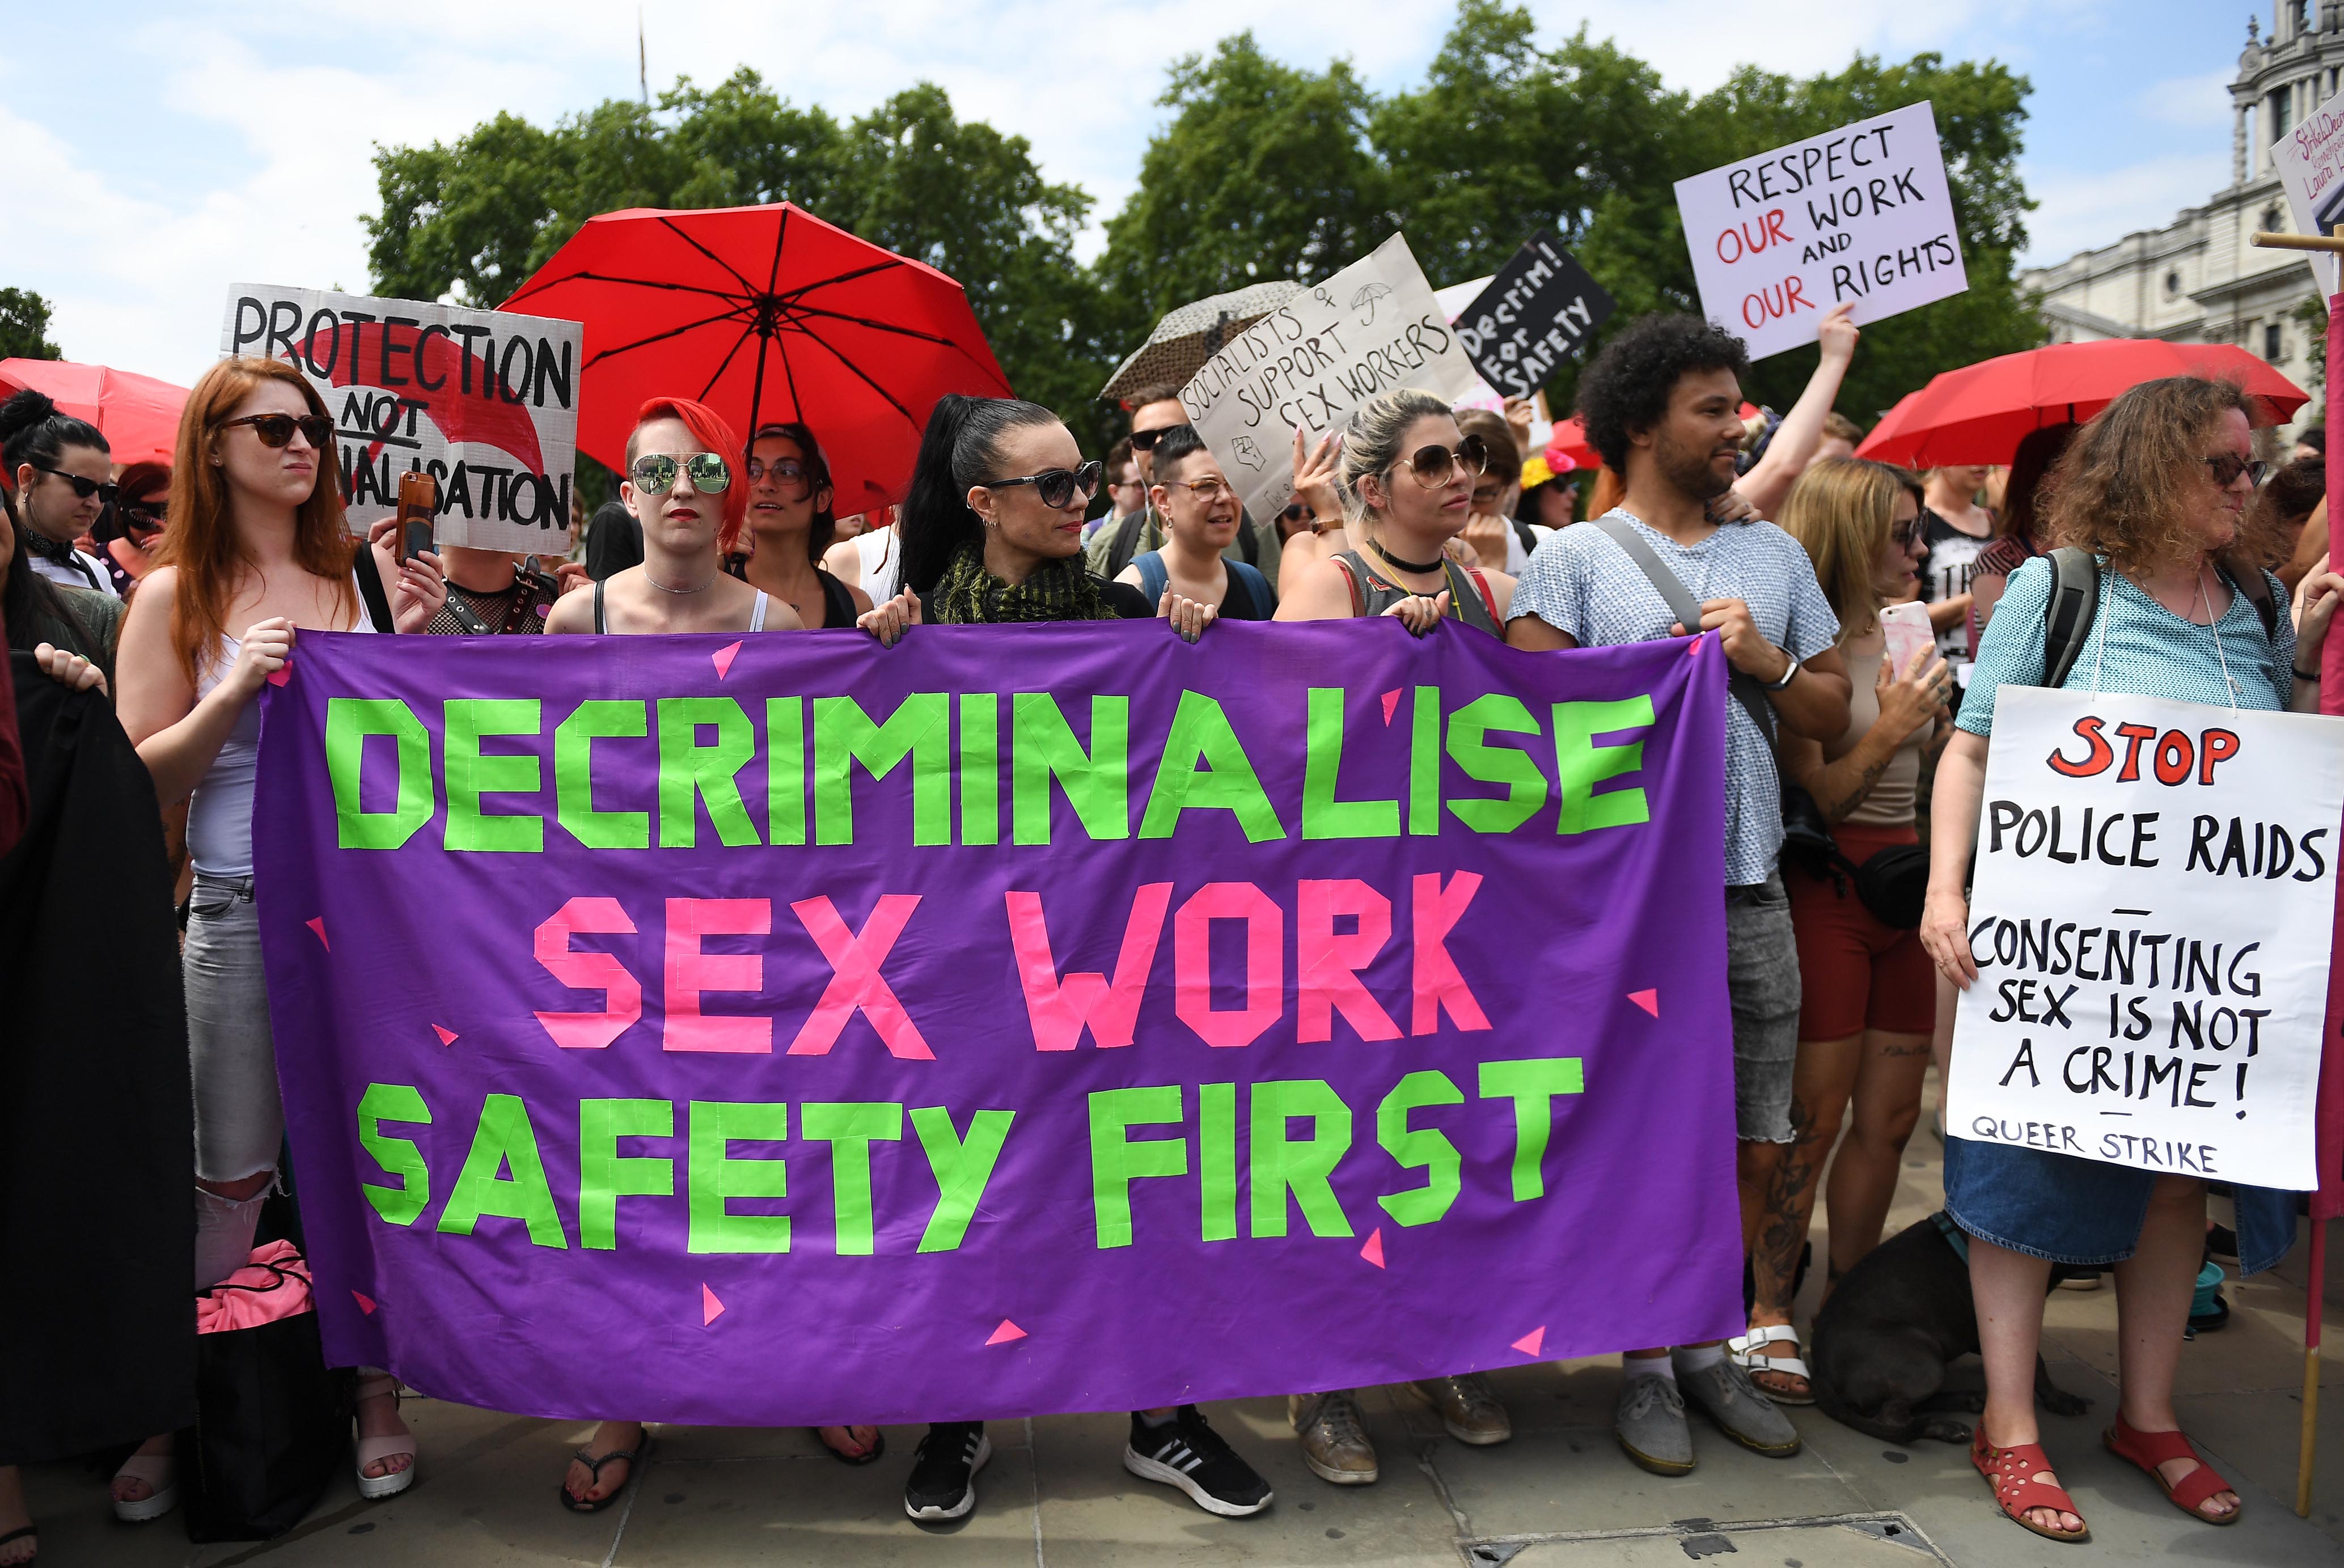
(1559, 1495)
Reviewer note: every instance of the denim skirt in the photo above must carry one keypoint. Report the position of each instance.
(2085, 1211)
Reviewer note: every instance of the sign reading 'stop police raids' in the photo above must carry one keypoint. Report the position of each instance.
(1537, 311)
(484, 401)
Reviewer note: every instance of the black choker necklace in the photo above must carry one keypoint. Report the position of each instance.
(1421, 568)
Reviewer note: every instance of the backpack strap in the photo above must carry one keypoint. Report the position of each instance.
(1522, 532)
(1248, 540)
(1126, 544)
(1350, 581)
(1154, 574)
(369, 577)
(1489, 599)
(2256, 587)
(2074, 603)
(1743, 688)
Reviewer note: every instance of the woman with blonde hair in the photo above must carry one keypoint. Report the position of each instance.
(257, 552)
(1868, 999)
(2157, 487)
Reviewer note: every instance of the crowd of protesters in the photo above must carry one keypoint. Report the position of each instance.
(152, 603)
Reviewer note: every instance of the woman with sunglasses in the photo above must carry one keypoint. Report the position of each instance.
(128, 532)
(1406, 475)
(62, 471)
(257, 544)
(993, 536)
(790, 526)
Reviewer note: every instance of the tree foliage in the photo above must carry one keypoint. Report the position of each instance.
(1263, 170)
(24, 326)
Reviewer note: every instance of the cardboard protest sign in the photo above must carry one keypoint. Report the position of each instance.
(484, 401)
(2153, 895)
(831, 1033)
(1858, 213)
(1539, 310)
(2310, 163)
(1372, 326)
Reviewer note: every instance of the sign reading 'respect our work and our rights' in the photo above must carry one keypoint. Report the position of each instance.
(1537, 311)
(787, 1031)
(1371, 327)
(2155, 893)
(484, 401)
(1858, 213)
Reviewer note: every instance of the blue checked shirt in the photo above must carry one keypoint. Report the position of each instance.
(1580, 583)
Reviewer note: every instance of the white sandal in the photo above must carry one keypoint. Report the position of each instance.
(160, 1472)
(374, 1450)
(1749, 1353)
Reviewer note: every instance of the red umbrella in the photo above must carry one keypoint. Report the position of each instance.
(765, 314)
(138, 414)
(1979, 414)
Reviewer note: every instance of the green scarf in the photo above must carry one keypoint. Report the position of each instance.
(1058, 590)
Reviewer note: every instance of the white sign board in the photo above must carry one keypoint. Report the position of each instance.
(1861, 213)
(2154, 890)
(1371, 327)
(2310, 164)
(486, 402)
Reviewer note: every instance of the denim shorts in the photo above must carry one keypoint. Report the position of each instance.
(1762, 977)
(2084, 1211)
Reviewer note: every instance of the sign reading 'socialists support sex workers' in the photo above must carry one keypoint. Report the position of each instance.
(2156, 888)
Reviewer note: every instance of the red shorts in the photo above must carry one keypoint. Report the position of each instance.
(1855, 973)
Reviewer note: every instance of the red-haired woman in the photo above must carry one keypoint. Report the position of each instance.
(256, 551)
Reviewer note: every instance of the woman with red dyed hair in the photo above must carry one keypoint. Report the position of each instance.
(685, 487)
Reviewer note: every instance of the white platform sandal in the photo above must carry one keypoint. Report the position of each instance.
(160, 1472)
(374, 1450)
(1749, 1353)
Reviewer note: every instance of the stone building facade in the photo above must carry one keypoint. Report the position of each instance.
(2197, 280)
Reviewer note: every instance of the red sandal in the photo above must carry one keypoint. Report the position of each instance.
(2013, 1472)
(2150, 1449)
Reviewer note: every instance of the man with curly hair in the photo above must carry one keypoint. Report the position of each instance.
(1661, 405)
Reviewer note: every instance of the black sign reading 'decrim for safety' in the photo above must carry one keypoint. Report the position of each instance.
(1537, 311)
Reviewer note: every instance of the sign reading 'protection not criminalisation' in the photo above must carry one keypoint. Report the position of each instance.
(787, 1031)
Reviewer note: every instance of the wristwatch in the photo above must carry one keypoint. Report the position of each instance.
(1790, 673)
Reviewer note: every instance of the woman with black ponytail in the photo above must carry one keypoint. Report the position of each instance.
(993, 535)
(62, 471)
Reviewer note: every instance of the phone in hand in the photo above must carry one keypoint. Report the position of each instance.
(1908, 629)
(418, 507)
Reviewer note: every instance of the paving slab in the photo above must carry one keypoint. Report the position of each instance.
(1884, 1542)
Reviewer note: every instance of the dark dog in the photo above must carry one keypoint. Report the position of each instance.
(1885, 1337)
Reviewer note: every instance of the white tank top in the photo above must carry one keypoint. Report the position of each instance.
(220, 812)
(882, 562)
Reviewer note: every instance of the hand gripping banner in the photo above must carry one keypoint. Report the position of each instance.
(785, 1030)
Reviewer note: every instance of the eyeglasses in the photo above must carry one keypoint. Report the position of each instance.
(1207, 491)
(1292, 514)
(2228, 466)
(1436, 466)
(1057, 487)
(144, 514)
(1127, 485)
(1144, 440)
(276, 430)
(654, 473)
(783, 470)
(82, 488)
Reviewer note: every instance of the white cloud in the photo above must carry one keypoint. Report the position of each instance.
(2199, 103)
(2081, 209)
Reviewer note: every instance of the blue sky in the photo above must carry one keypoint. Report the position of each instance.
(155, 154)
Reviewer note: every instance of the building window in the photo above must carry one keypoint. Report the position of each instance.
(2270, 342)
(2274, 220)
(2281, 101)
(2172, 283)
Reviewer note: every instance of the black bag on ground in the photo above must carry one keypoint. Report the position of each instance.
(272, 1428)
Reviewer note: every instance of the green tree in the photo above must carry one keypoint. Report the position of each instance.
(24, 326)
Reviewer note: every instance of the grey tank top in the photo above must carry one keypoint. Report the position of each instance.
(1372, 593)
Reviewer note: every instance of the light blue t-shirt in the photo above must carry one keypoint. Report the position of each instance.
(2137, 646)
(1582, 583)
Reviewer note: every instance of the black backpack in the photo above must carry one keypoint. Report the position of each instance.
(2076, 600)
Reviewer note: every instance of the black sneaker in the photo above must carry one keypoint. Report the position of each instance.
(943, 1482)
(1187, 1453)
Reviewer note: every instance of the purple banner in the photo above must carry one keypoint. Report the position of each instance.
(786, 1031)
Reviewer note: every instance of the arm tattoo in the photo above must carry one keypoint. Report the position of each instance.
(1837, 810)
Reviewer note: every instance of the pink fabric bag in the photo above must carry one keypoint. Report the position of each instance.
(275, 1284)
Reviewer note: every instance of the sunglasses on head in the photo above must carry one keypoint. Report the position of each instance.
(276, 430)
(1057, 487)
(654, 473)
(1144, 440)
(2228, 466)
(1435, 466)
(82, 488)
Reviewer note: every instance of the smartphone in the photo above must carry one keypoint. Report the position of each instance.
(1907, 626)
(419, 506)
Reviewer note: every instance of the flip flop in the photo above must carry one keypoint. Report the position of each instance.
(18, 1534)
(878, 1447)
(633, 1456)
